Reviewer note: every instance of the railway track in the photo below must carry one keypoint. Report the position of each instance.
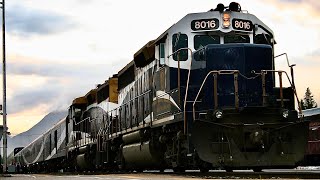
(279, 174)
(168, 174)
(215, 174)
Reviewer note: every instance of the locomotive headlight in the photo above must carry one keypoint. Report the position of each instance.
(226, 20)
(285, 113)
(219, 114)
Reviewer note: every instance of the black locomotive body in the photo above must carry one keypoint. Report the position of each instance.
(240, 119)
(202, 95)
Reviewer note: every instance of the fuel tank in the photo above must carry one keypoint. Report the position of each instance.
(141, 155)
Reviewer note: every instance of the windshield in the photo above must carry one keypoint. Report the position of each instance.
(236, 38)
(202, 40)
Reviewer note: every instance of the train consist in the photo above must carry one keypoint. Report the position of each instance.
(202, 95)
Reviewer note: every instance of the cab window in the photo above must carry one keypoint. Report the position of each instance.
(203, 40)
(262, 39)
(180, 41)
(236, 38)
(161, 53)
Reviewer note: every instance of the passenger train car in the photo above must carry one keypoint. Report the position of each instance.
(48, 151)
(202, 95)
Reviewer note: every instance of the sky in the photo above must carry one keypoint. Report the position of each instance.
(59, 50)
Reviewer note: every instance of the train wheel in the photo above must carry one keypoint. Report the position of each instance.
(204, 170)
(257, 170)
(205, 167)
(228, 169)
(139, 170)
(178, 170)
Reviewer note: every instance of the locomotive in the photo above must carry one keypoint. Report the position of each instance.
(202, 95)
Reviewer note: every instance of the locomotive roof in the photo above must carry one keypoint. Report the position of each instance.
(106, 83)
(184, 23)
(144, 55)
(92, 92)
(124, 69)
(79, 101)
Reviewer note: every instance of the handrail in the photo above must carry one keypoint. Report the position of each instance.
(291, 83)
(185, 124)
(88, 118)
(292, 77)
(227, 72)
(286, 58)
(236, 72)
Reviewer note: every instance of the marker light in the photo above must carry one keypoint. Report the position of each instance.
(226, 20)
(219, 114)
(285, 113)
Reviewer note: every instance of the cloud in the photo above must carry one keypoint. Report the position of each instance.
(50, 85)
(30, 98)
(50, 94)
(20, 65)
(316, 53)
(295, 1)
(313, 4)
(25, 21)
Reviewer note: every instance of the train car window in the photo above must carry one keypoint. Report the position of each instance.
(236, 38)
(203, 40)
(180, 41)
(55, 138)
(161, 53)
(50, 141)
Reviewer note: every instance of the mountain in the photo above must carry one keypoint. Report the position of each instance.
(25, 138)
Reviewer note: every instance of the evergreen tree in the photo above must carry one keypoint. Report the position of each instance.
(308, 102)
(302, 104)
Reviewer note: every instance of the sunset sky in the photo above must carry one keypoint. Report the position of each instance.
(59, 50)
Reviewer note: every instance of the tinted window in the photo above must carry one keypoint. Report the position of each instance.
(180, 41)
(161, 53)
(262, 39)
(199, 55)
(203, 40)
(236, 38)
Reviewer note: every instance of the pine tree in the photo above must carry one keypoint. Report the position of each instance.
(308, 102)
(302, 105)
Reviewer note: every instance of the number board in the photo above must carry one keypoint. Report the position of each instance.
(242, 24)
(204, 24)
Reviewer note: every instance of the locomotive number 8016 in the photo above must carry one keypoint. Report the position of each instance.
(241, 24)
(204, 24)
